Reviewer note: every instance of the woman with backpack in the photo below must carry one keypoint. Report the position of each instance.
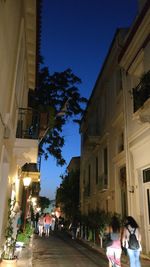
(131, 240)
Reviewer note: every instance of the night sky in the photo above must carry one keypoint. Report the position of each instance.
(77, 34)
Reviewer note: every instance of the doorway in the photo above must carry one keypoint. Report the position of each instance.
(146, 183)
(123, 191)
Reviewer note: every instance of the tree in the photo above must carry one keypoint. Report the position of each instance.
(67, 194)
(59, 96)
(43, 202)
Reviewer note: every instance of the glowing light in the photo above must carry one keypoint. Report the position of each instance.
(26, 181)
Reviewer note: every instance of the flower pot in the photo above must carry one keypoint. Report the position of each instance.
(9, 263)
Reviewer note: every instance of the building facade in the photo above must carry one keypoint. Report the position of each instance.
(18, 139)
(102, 148)
(115, 139)
(135, 63)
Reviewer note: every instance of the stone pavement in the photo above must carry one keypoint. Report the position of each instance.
(25, 255)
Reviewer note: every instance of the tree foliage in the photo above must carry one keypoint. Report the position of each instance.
(59, 96)
(43, 202)
(67, 194)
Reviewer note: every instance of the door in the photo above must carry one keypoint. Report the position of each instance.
(146, 181)
(123, 190)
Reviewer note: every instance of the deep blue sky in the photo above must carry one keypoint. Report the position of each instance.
(77, 34)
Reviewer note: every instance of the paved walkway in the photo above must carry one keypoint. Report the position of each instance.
(25, 256)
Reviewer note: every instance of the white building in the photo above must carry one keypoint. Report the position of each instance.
(18, 53)
(115, 131)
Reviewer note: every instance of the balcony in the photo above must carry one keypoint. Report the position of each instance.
(90, 140)
(28, 124)
(27, 135)
(141, 99)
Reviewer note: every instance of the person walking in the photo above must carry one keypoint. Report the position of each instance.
(131, 240)
(113, 251)
(41, 224)
(37, 215)
(53, 223)
(73, 227)
(47, 223)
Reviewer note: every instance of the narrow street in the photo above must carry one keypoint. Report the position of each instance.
(59, 250)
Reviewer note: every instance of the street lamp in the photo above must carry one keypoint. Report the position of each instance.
(26, 181)
(30, 174)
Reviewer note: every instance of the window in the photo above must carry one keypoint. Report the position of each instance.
(146, 175)
(89, 180)
(105, 161)
(105, 155)
(120, 142)
(96, 170)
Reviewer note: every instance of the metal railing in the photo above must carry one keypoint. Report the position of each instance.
(28, 124)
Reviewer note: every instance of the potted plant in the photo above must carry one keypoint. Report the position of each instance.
(8, 256)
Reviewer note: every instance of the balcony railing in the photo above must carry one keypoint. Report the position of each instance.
(141, 93)
(28, 124)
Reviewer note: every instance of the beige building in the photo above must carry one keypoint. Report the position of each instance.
(18, 139)
(115, 145)
(102, 148)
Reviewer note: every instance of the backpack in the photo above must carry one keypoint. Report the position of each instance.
(133, 243)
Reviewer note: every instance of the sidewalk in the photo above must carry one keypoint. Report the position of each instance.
(25, 255)
(145, 260)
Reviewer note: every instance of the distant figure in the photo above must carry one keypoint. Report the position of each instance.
(78, 230)
(32, 218)
(19, 221)
(53, 223)
(131, 240)
(47, 223)
(37, 215)
(113, 252)
(73, 228)
(61, 223)
(41, 224)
